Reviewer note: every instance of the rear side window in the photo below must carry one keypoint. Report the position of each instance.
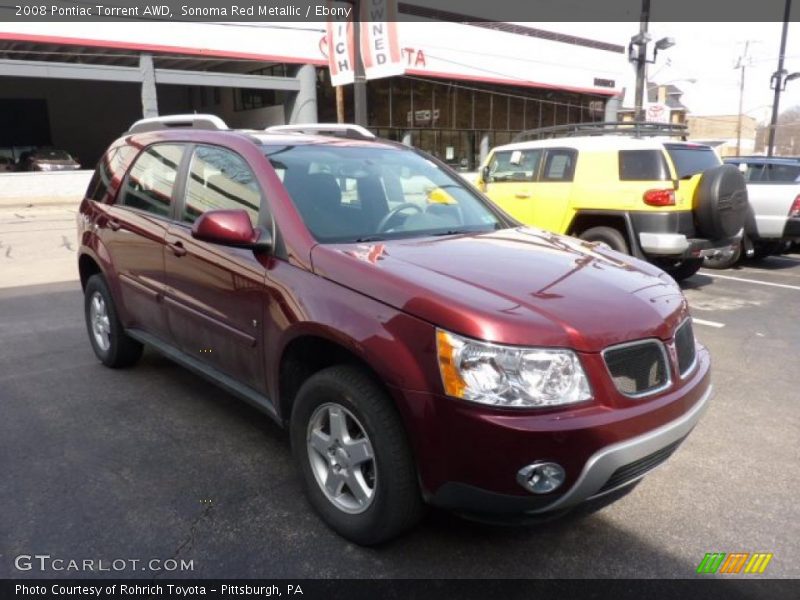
(560, 165)
(110, 170)
(514, 165)
(690, 159)
(642, 165)
(151, 181)
(774, 173)
(219, 179)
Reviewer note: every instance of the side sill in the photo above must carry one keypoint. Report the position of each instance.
(210, 373)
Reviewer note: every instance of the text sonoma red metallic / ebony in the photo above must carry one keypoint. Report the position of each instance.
(420, 345)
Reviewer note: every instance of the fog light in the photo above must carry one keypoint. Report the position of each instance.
(541, 478)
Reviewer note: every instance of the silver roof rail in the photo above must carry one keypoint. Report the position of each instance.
(347, 130)
(190, 121)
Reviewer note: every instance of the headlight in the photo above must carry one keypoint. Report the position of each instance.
(509, 376)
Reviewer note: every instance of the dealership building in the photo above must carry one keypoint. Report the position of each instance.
(466, 86)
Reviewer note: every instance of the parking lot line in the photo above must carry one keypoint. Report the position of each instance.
(787, 258)
(708, 323)
(756, 281)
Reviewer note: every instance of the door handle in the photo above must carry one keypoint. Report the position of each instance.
(177, 249)
(522, 195)
(114, 225)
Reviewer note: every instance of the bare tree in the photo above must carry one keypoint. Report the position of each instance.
(787, 134)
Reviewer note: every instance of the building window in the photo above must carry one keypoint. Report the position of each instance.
(248, 99)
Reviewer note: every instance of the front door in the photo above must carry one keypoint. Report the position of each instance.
(509, 182)
(215, 298)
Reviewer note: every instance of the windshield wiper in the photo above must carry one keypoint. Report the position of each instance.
(369, 238)
(458, 232)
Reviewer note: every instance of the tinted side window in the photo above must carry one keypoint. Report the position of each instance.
(781, 173)
(219, 179)
(110, 170)
(514, 165)
(560, 165)
(690, 160)
(642, 165)
(151, 180)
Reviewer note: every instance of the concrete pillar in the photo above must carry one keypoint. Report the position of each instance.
(613, 104)
(303, 107)
(407, 138)
(149, 97)
(484, 147)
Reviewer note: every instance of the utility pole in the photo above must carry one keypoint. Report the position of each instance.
(360, 81)
(777, 80)
(641, 60)
(742, 64)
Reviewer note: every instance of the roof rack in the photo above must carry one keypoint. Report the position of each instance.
(347, 130)
(631, 128)
(190, 121)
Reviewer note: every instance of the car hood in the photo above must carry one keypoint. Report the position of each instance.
(516, 286)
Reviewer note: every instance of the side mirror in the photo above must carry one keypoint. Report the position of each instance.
(230, 228)
(485, 174)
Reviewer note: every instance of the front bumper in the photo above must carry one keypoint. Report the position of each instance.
(468, 457)
(626, 462)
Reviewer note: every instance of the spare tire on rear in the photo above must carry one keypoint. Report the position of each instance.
(720, 202)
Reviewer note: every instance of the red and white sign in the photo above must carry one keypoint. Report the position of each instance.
(657, 112)
(341, 51)
(380, 48)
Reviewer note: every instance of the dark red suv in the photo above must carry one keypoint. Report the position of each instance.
(421, 346)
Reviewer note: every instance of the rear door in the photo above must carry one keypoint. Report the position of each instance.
(133, 230)
(549, 206)
(215, 294)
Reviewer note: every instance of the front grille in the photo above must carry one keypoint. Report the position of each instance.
(638, 368)
(684, 347)
(638, 468)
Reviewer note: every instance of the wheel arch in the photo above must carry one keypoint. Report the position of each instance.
(309, 348)
(619, 220)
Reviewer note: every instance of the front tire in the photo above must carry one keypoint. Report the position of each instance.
(352, 451)
(109, 341)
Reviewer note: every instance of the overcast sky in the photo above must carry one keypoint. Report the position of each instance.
(707, 53)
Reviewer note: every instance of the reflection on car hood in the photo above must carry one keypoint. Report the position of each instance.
(516, 286)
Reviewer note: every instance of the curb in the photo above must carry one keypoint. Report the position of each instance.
(19, 203)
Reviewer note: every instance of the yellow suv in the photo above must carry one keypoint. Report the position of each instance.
(629, 186)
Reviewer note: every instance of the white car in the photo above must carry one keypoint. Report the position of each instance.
(773, 222)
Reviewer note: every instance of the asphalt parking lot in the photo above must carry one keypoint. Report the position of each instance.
(152, 462)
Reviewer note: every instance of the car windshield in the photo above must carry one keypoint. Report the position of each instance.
(692, 159)
(370, 193)
(51, 154)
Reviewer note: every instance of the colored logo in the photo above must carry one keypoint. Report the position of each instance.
(734, 563)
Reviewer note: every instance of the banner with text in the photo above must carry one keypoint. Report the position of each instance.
(341, 50)
(380, 48)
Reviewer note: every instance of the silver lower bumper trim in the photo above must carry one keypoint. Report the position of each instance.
(602, 464)
(663, 243)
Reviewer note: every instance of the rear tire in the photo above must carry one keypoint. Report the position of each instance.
(109, 341)
(726, 262)
(366, 500)
(607, 235)
(682, 269)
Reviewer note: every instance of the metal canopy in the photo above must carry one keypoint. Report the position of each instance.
(100, 72)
